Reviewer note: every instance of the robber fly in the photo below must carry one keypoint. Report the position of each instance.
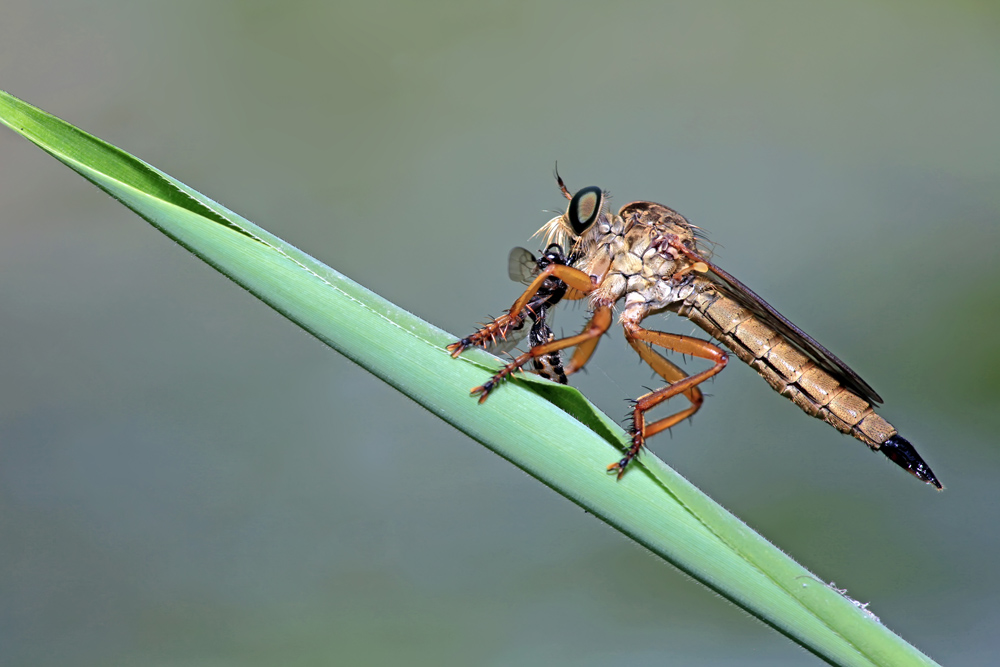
(653, 258)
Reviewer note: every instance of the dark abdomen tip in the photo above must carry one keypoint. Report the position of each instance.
(901, 452)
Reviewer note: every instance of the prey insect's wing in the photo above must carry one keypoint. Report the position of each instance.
(522, 267)
(825, 359)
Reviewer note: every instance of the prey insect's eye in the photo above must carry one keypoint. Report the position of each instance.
(584, 208)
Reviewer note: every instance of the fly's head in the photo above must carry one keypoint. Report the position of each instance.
(579, 227)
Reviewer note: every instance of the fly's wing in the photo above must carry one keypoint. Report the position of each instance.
(825, 359)
(522, 267)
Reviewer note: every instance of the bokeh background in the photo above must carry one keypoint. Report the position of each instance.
(186, 478)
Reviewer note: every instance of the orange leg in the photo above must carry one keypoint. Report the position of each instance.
(514, 317)
(680, 383)
(670, 372)
(585, 340)
(583, 351)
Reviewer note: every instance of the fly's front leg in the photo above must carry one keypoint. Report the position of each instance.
(680, 383)
(489, 334)
(598, 325)
(513, 319)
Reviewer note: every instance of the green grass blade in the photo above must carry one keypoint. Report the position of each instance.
(550, 431)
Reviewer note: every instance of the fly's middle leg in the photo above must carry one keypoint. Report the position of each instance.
(641, 341)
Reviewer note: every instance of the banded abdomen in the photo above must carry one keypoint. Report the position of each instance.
(786, 368)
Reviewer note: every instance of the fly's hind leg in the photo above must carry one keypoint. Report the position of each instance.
(641, 341)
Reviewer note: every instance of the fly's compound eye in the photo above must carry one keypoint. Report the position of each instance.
(584, 208)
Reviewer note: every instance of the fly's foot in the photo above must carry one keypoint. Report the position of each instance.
(460, 346)
(619, 466)
(633, 452)
(483, 390)
(484, 337)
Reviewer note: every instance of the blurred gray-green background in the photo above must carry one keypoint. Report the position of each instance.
(187, 479)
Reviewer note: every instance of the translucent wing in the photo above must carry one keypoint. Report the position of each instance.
(522, 267)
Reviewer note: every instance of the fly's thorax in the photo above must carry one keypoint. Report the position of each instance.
(658, 221)
(658, 234)
(630, 256)
(640, 250)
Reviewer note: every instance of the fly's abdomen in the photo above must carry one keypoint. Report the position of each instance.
(791, 373)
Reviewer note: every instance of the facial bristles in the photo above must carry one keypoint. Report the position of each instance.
(555, 230)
